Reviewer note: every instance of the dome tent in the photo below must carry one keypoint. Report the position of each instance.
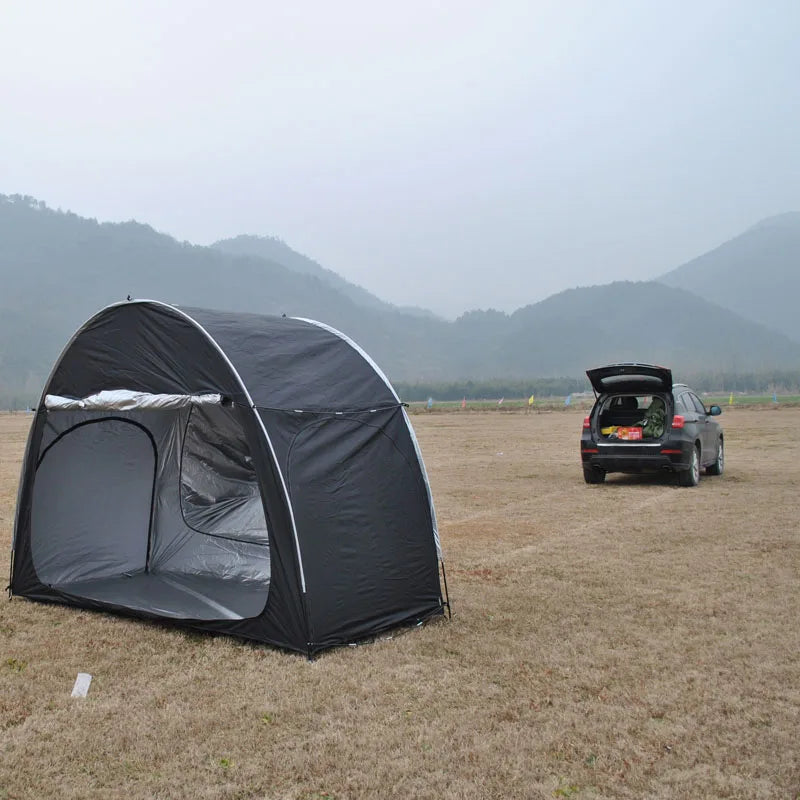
(239, 473)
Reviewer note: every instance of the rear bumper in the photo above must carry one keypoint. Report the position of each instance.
(636, 457)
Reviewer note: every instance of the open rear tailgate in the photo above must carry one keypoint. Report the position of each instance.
(638, 378)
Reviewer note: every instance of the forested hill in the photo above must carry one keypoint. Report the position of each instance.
(276, 250)
(756, 274)
(273, 249)
(57, 269)
(646, 322)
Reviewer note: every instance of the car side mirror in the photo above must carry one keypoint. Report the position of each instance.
(715, 411)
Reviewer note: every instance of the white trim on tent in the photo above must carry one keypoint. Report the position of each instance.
(389, 386)
(366, 356)
(285, 494)
(427, 485)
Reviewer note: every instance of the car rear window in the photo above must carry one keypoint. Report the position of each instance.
(628, 402)
(644, 380)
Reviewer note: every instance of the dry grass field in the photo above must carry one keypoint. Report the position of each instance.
(627, 640)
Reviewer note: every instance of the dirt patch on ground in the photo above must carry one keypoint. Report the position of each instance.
(633, 639)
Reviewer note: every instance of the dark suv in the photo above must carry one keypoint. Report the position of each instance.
(642, 422)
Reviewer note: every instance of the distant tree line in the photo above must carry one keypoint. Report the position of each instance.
(753, 382)
(476, 390)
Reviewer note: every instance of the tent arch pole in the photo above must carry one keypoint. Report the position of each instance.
(254, 411)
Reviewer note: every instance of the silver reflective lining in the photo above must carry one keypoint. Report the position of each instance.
(126, 400)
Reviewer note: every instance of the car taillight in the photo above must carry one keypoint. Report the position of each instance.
(586, 423)
(678, 421)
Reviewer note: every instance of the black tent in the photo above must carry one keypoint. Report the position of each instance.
(239, 473)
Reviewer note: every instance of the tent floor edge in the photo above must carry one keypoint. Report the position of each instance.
(395, 628)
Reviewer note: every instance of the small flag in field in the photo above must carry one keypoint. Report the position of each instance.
(500, 401)
(530, 400)
(730, 400)
(464, 403)
(568, 400)
(774, 397)
(430, 402)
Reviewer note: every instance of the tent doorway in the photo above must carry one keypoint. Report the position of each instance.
(139, 509)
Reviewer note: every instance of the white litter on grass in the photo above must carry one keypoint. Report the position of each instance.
(81, 687)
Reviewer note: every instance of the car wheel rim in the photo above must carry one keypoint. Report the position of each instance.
(721, 457)
(695, 467)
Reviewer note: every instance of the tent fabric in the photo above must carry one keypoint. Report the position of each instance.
(245, 474)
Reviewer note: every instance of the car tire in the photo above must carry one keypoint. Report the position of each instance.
(592, 475)
(719, 463)
(691, 476)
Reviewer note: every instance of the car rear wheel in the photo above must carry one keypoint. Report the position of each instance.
(691, 476)
(719, 464)
(592, 475)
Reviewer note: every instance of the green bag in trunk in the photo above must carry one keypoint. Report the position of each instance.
(654, 420)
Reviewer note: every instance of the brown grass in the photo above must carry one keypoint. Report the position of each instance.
(627, 640)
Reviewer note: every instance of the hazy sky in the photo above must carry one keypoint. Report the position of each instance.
(452, 155)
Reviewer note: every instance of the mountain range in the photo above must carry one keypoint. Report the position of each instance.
(755, 274)
(728, 310)
(270, 248)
